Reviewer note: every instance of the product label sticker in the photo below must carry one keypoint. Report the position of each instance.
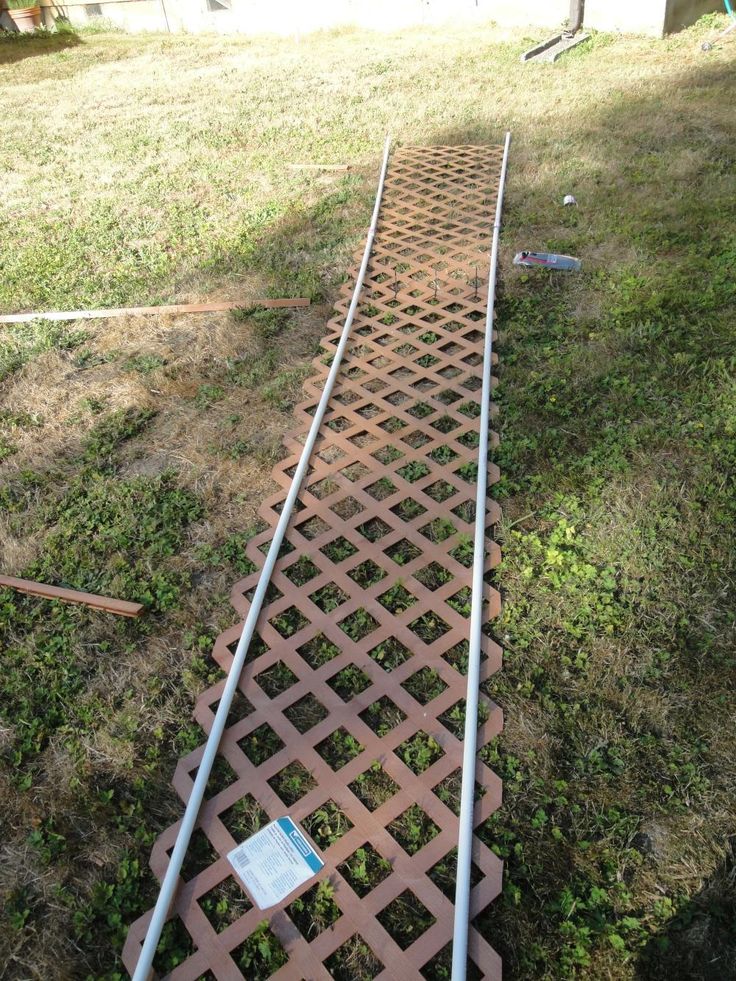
(274, 862)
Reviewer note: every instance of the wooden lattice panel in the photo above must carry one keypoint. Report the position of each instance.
(349, 711)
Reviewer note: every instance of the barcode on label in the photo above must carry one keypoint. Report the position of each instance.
(241, 860)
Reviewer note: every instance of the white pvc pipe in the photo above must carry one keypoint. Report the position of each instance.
(191, 812)
(467, 793)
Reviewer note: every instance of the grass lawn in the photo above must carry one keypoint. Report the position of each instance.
(134, 455)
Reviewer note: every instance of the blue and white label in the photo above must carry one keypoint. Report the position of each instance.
(274, 862)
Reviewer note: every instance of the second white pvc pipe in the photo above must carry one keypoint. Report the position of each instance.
(467, 794)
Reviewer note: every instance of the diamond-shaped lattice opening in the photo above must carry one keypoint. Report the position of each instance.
(440, 490)
(413, 829)
(401, 374)
(260, 955)
(408, 509)
(306, 713)
(445, 424)
(392, 425)
(368, 411)
(390, 653)
(339, 549)
(312, 528)
(442, 454)
(468, 472)
(346, 398)
(292, 783)
(380, 489)
(244, 818)
(364, 869)
(457, 657)
(382, 716)
(339, 424)
(473, 383)
(454, 718)
(355, 471)
(439, 968)
(416, 439)
(328, 597)
(331, 454)
(406, 919)
(354, 961)
(374, 787)
(276, 679)
(413, 470)
(358, 625)
(323, 488)
(433, 576)
(406, 349)
(261, 744)
(424, 685)
(224, 904)
(367, 574)
(339, 748)
(421, 410)
(463, 552)
(420, 751)
(471, 439)
(326, 824)
(429, 337)
(174, 947)
(444, 874)
(429, 627)
(438, 530)
(473, 359)
(221, 777)
(387, 454)
(239, 709)
(403, 552)
(347, 508)
(349, 682)
(469, 409)
(449, 372)
(374, 529)
(200, 854)
(465, 511)
(397, 599)
(426, 360)
(374, 385)
(362, 440)
(461, 601)
(396, 398)
(301, 571)
(315, 910)
(447, 396)
(289, 621)
(449, 791)
(318, 651)
(273, 593)
(284, 548)
(255, 650)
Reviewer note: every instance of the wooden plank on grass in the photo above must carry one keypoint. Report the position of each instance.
(26, 318)
(318, 166)
(121, 608)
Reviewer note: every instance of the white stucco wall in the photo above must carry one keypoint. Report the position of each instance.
(298, 17)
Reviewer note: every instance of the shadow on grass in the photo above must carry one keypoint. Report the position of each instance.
(17, 47)
(699, 943)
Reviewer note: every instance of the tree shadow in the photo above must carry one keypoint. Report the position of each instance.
(699, 943)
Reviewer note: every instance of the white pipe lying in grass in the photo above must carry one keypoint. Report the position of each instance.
(467, 794)
(171, 879)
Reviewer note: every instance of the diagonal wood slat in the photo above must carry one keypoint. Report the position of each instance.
(351, 701)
